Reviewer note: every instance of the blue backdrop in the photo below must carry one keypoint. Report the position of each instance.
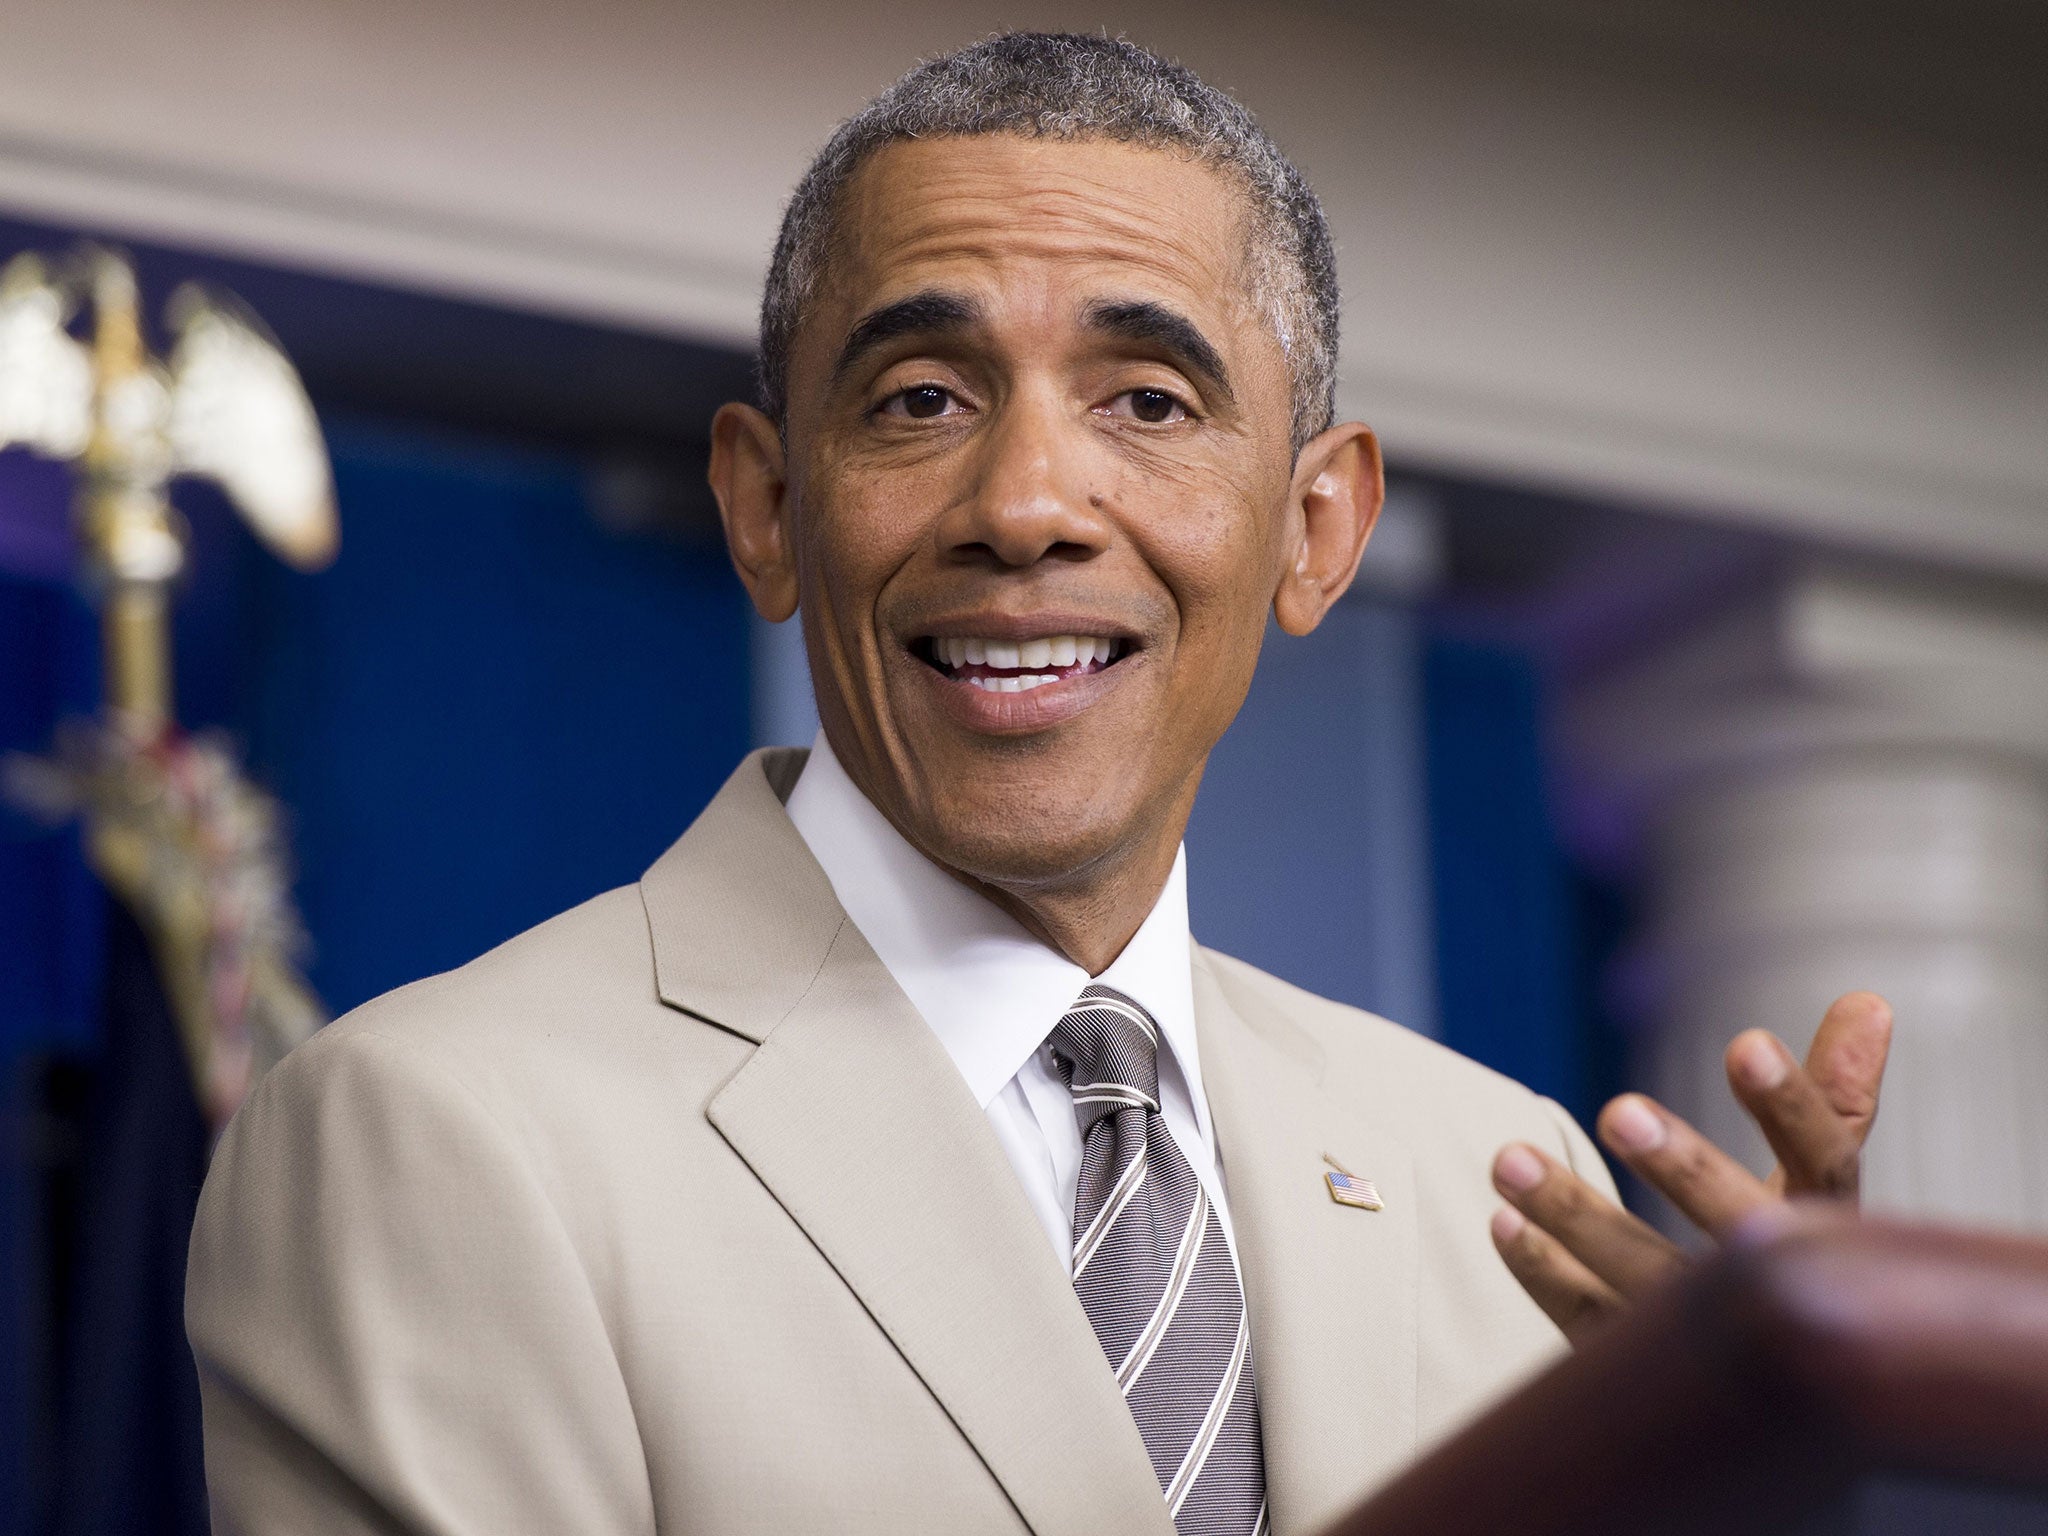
(489, 709)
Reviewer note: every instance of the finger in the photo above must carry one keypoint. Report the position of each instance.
(1819, 1150)
(1710, 1187)
(1848, 1055)
(1622, 1251)
(1571, 1295)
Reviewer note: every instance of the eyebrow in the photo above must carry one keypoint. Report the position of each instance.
(921, 314)
(1155, 325)
(934, 311)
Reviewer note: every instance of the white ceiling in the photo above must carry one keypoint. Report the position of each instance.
(1752, 261)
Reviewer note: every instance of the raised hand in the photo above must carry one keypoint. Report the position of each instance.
(1582, 1258)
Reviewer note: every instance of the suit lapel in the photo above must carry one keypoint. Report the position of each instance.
(1331, 1288)
(854, 1117)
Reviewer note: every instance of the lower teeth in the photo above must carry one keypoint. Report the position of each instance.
(1014, 684)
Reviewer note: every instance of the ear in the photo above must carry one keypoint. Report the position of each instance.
(1335, 499)
(748, 477)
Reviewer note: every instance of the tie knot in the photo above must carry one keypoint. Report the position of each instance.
(1110, 1049)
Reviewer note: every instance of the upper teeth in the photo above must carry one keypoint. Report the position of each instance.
(1052, 651)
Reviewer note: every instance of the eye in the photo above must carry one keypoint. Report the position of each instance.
(1153, 406)
(921, 402)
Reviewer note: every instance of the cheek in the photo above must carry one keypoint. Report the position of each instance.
(1213, 546)
(850, 540)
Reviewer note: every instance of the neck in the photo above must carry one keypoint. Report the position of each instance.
(1089, 913)
(1089, 916)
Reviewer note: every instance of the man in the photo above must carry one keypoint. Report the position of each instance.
(890, 1159)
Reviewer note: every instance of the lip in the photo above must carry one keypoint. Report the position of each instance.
(1024, 626)
(1035, 709)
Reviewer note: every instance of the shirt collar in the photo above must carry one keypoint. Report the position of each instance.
(988, 988)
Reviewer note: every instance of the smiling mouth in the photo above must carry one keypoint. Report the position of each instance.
(1017, 666)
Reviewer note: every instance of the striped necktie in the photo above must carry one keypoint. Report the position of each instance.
(1154, 1275)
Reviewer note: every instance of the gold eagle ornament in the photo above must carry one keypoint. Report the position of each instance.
(173, 826)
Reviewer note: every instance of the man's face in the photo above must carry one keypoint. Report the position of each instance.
(1038, 471)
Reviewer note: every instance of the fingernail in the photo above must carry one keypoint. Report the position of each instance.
(1636, 1126)
(1518, 1169)
(1764, 1064)
(1507, 1224)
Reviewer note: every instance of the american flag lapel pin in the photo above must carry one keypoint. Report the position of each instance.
(1347, 1188)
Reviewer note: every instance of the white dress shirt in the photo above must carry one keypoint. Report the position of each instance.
(992, 992)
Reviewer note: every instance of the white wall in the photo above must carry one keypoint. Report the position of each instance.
(1553, 274)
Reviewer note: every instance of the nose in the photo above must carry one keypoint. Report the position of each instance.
(1027, 497)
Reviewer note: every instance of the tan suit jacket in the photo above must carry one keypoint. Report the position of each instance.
(673, 1215)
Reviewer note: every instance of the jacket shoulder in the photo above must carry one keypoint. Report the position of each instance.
(563, 1013)
(579, 960)
(1436, 1093)
(1342, 1030)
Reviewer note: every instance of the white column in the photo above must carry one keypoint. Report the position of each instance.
(1845, 784)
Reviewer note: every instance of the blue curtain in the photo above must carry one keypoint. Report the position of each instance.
(1518, 936)
(489, 709)
(51, 961)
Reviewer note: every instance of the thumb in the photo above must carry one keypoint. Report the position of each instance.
(1848, 1055)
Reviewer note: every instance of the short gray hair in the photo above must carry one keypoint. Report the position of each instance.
(1074, 86)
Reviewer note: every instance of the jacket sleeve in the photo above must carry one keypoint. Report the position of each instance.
(392, 1329)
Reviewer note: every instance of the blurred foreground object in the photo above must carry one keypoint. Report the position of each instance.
(172, 827)
(1823, 1376)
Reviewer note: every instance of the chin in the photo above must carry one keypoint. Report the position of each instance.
(1024, 840)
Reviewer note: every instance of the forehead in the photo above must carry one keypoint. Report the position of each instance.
(1051, 220)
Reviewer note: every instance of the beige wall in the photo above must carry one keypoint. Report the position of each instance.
(1554, 274)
